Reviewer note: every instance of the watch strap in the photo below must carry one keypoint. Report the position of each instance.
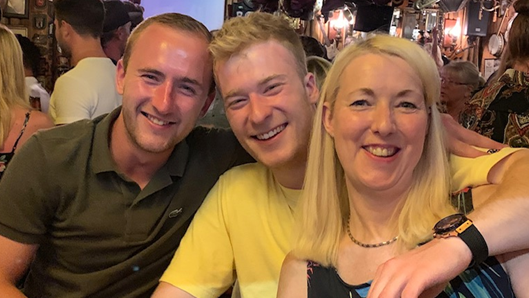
(476, 243)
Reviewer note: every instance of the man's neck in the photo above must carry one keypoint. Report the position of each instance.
(86, 47)
(112, 51)
(290, 176)
(136, 164)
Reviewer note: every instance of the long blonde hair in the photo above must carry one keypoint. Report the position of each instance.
(323, 209)
(12, 83)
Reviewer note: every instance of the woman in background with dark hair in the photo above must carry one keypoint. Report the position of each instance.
(18, 121)
(501, 110)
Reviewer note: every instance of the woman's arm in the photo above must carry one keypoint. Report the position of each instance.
(293, 278)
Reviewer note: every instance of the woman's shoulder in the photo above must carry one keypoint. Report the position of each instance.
(293, 278)
(38, 120)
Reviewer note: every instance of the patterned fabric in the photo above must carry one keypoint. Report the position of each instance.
(487, 280)
(5, 158)
(501, 110)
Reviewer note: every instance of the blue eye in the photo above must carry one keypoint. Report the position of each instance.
(360, 103)
(408, 105)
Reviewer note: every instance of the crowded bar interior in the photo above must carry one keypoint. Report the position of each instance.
(264, 148)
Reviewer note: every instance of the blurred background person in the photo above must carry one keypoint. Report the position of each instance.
(135, 12)
(501, 110)
(88, 90)
(116, 29)
(39, 98)
(313, 47)
(319, 67)
(459, 81)
(18, 121)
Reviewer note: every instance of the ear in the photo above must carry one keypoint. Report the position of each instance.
(122, 33)
(327, 119)
(209, 100)
(66, 29)
(120, 77)
(311, 88)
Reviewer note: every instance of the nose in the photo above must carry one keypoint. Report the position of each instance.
(383, 122)
(163, 98)
(259, 109)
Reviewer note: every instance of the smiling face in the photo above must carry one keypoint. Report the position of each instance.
(164, 87)
(378, 123)
(268, 105)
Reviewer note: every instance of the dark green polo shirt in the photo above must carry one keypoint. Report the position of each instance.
(100, 235)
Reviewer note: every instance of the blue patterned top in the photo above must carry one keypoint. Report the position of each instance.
(488, 280)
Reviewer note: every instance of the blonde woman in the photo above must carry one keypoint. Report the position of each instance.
(377, 180)
(17, 119)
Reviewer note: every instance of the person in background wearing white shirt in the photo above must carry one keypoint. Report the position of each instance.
(89, 89)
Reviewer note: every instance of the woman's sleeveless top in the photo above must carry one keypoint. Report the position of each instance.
(5, 158)
(487, 280)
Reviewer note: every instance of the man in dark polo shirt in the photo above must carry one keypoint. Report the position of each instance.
(99, 207)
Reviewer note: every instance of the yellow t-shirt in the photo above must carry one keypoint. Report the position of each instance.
(242, 230)
(474, 171)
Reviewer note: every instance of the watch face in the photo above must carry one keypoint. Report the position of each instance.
(449, 223)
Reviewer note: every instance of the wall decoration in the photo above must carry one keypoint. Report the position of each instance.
(19, 30)
(491, 65)
(40, 21)
(17, 9)
(40, 3)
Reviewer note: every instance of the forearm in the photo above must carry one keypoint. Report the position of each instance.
(167, 290)
(503, 219)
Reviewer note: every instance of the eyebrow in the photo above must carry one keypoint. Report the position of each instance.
(259, 83)
(161, 74)
(370, 92)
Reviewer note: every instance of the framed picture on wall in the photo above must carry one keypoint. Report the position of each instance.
(17, 9)
(491, 65)
(19, 30)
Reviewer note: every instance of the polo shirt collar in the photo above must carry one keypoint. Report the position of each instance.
(102, 160)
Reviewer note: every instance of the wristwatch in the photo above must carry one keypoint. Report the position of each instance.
(458, 225)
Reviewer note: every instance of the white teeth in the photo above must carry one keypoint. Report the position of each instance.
(272, 133)
(382, 152)
(157, 121)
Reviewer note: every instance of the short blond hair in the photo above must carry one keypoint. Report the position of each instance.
(237, 34)
(12, 83)
(175, 21)
(323, 209)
